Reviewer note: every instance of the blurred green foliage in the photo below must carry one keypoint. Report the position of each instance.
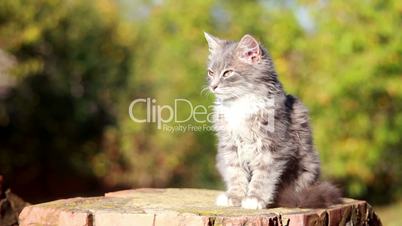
(79, 64)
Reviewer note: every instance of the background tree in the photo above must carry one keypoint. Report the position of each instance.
(72, 63)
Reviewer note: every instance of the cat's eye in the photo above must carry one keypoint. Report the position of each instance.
(227, 73)
(210, 73)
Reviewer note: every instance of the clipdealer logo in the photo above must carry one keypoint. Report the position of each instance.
(183, 111)
(163, 114)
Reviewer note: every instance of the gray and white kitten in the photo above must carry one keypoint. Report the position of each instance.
(265, 151)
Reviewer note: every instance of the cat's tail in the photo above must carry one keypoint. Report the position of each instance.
(318, 195)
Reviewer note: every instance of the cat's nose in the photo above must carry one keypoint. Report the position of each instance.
(213, 87)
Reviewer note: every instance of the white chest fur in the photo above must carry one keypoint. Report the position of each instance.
(236, 114)
(240, 122)
(239, 115)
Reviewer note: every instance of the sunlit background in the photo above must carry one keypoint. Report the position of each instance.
(70, 69)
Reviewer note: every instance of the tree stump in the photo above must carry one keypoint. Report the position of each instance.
(173, 206)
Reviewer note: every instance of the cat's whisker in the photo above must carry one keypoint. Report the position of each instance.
(205, 91)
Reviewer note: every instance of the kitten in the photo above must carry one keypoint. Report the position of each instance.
(265, 151)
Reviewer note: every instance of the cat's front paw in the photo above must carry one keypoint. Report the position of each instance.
(227, 200)
(253, 203)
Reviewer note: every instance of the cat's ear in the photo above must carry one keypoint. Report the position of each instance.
(213, 42)
(248, 50)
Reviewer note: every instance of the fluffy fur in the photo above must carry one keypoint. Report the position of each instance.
(265, 151)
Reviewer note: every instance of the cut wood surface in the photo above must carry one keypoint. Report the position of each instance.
(173, 206)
